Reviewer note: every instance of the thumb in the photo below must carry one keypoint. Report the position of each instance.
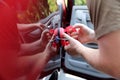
(69, 38)
(50, 41)
(44, 33)
(49, 47)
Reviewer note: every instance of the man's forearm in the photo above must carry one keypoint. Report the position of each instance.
(27, 27)
(31, 48)
(39, 66)
(32, 66)
(92, 56)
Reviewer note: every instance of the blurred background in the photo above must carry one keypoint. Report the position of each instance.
(39, 9)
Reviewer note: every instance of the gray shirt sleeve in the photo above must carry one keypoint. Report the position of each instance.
(105, 15)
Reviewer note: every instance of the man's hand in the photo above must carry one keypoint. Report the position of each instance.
(50, 50)
(30, 27)
(83, 34)
(37, 46)
(74, 47)
(40, 26)
(45, 37)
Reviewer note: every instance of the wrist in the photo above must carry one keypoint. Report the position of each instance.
(80, 49)
(47, 54)
(92, 36)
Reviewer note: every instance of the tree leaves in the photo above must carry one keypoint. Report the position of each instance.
(80, 2)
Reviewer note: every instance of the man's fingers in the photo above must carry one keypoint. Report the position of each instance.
(41, 26)
(68, 37)
(74, 33)
(49, 45)
(78, 25)
(52, 38)
(44, 33)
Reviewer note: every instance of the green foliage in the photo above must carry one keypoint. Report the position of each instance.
(37, 10)
(80, 2)
(52, 5)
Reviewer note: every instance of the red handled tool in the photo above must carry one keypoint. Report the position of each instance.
(59, 38)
